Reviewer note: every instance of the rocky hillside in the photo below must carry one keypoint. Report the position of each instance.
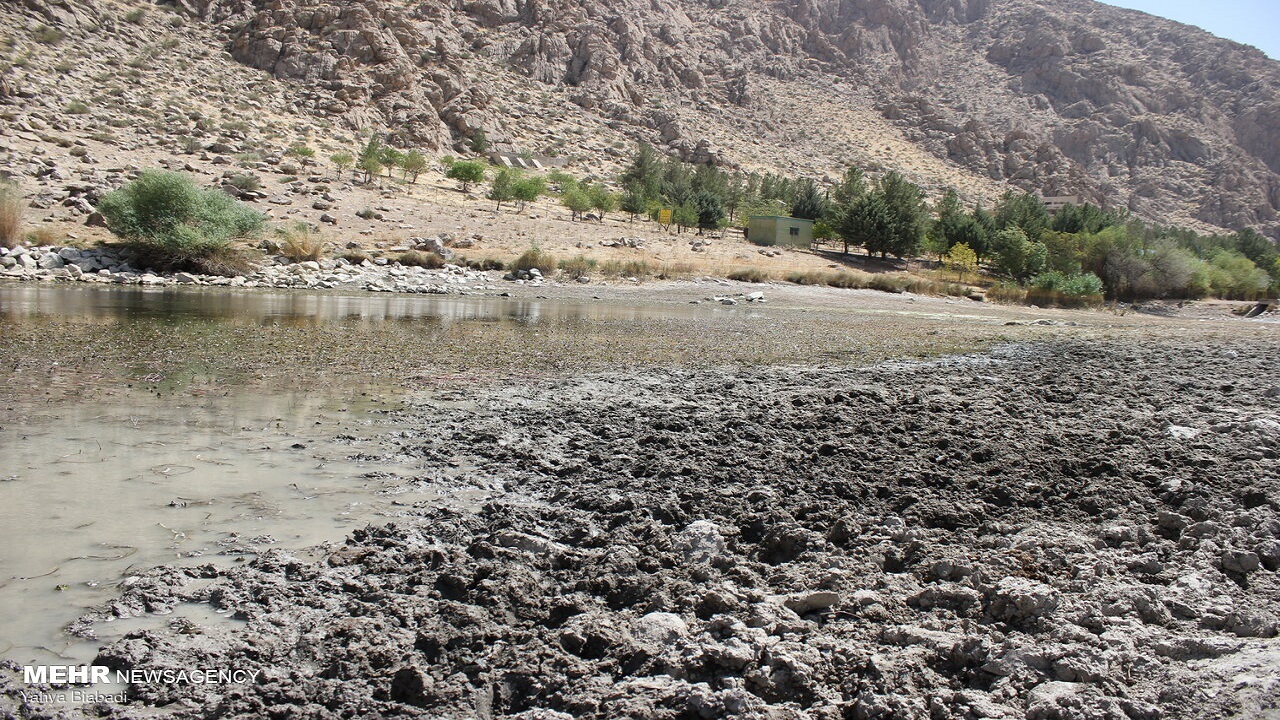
(1060, 97)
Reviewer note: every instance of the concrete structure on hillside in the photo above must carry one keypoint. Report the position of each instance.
(777, 230)
(1054, 203)
(526, 162)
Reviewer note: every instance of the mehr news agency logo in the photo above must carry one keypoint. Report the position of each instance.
(47, 675)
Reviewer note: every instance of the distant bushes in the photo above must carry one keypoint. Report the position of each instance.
(170, 224)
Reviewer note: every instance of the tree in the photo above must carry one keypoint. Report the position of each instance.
(633, 201)
(341, 160)
(301, 152)
(851, 187)
(370, 165)
(684, 216)
(1023, 211)
(502, 189)
(602, 201)
(961, 259)
(467, 173)
(369, 161)
(577, 200)
(527, 189)
(414, 163)
(865, 223)
(390, 158)
(809, 202)
(710, 210)
(1010, 248)
(845, 197)
(479, 143)
(904, 203)
(644, 174)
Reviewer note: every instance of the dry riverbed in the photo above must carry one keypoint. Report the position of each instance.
(810, 508)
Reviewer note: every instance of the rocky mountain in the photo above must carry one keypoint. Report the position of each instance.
(1051, 96)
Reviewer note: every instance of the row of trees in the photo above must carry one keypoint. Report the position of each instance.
(889, 216)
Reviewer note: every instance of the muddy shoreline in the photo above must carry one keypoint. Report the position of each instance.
(1057, 529)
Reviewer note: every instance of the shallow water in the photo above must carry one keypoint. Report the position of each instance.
(117, 479)
(91, 493)
(285, 306)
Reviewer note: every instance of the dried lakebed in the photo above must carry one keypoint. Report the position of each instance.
(1054, 530)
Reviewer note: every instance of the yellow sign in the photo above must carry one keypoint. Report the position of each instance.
(664, 216)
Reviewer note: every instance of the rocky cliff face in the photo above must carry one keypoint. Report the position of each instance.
(1059, 97)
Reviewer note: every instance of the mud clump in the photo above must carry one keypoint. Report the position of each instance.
(1013, 535)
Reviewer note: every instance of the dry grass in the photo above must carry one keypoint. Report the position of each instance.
(534, 257)
(751, 275)
(44, 235)
(355, 257)
(11, 212)
(300, 243)
(639, 269)
(417, 258)
(578, 266)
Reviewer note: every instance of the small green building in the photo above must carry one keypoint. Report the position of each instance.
(777, 230)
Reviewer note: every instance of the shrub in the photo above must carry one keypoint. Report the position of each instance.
(355, 257)
(485, 264)
(673, 271)
(535, 258)
(751, 275)
(578, 266)
(77, 107)
(845, 280)
(46, 35)
(300, 242)
(12, 208)
(43, 237)
(417, 258)
(245, 181)
(627, 268)
(136, 16)
(1007, 292)
(807, 277)
(169, 223)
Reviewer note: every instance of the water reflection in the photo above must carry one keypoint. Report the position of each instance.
(293, 307)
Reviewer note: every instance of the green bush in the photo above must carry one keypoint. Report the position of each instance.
(170, 224)
(467, 173)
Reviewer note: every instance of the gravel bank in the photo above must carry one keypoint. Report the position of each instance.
(1055, 530)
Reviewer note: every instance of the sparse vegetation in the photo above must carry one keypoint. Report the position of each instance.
(12, 209)
(300, 242)
(578, 266)
(46, 35)
(535, 257)
(751, 275)
(136, 16)
(170, 224)
(246, 182)
(417, 258)
(77, 107)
